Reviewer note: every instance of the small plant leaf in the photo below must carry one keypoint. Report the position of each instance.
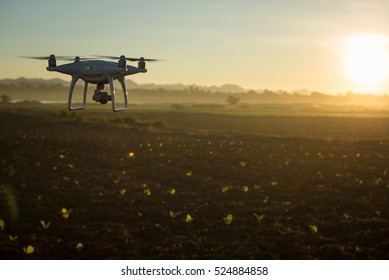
(313, 229)
(147, 192)
(188, 218)
(174, 214)
(29, 249)
(228, 219)
(226, 189)
(172, 191)
(13, 238)
(44, 224)
(259, 217)
(65, 213)
(123, 192)
(79, 246)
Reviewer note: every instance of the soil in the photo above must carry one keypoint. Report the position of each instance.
(196, 186)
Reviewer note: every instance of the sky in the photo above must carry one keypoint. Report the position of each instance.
(331, 46)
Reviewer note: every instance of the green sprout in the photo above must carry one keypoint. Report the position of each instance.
(79, 246)
(147, 192)
(2, 224)
(245, 188)
(44, 224)
(228, 219)
(188, 218)
(174, 214)
(13, 238)
(172, 191)
(123, 192)
(259, 217)
(65, 213)
(313, 229)
(29, 249)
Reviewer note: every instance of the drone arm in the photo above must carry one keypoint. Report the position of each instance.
(72, 85)
(114, 107)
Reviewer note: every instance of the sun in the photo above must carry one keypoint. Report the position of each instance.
(367, 61)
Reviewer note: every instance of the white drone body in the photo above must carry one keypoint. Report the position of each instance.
(99, 72)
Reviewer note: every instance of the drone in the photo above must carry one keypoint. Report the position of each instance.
(98, 72)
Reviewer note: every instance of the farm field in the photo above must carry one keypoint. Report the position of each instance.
(193, 183)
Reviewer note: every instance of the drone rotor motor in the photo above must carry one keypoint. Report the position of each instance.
(122, 62)
(52, 61)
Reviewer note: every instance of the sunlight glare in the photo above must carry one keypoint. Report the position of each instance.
(367, 60)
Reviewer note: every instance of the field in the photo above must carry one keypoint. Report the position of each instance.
(159, 182)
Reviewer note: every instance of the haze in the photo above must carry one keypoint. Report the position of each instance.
(277, 44)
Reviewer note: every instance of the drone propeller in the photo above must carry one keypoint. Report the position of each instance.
(128, 58)
(68, 58)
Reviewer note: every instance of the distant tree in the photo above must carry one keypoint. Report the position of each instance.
(232, 100)
(5, 98)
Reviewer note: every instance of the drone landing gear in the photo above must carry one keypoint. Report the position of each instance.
(101, 96)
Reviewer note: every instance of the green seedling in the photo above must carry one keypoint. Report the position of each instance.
(358, 249)
(245, 188)
(147, 192)
(313, 229)
(189, 173)
(79, 246)
(174, 214)
(259, 217)
(44, 224)
(123, 192)
(2, 224)
(29, 249)
(226, 189)
(65, 213)
(13, 238)
(172, 191)
(188, 218)
(228, 219)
